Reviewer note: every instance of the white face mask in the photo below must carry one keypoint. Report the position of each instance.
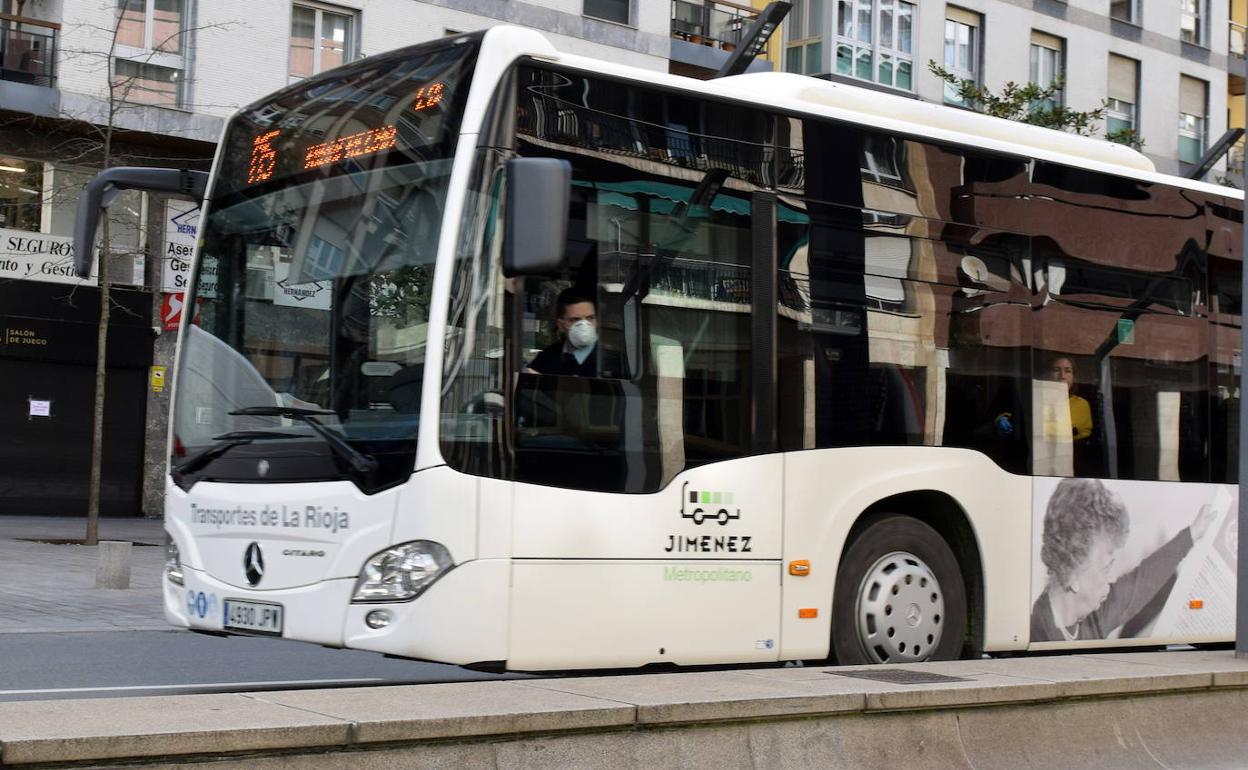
(582, 334)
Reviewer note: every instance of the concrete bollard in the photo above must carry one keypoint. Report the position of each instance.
(113, 568)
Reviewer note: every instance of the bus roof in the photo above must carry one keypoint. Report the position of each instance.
(926, 115)
(889, 112)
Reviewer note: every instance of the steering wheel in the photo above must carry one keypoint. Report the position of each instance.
(488, 402)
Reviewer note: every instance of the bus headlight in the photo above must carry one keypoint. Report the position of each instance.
(400, 573)
(173, 561)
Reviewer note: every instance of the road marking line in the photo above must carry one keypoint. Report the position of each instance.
(200, 686)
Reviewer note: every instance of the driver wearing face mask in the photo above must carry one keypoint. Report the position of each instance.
(576, 352)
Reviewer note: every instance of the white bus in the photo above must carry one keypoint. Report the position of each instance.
(514, 359)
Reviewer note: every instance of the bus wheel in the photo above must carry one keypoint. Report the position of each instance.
(899, 596)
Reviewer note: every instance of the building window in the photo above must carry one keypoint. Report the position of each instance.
(141, 83)
(152, 25)
(804, 51)
(21, 188)
(875, 41)
(618, 11)
(1193, 126)
(1123, 95)
(1047, 66)
(1124, 10)
(962, 46)
(149, 55)
(1192, 21)
(883, 158)
(1119, 115)
(320, 39)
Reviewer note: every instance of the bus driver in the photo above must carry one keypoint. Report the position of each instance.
(575, 353)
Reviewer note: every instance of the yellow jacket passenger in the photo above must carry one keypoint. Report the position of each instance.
(1080, 418)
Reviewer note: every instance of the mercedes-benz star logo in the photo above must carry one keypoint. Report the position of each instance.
(253, 564)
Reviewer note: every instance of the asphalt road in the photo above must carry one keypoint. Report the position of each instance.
(111, 664)
(62, 637)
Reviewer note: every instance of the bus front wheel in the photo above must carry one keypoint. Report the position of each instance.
(899, 596)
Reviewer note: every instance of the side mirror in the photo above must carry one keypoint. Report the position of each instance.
(100, 193)
(536, 228)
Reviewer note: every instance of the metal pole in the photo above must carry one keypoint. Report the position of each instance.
(1241, 578)
(755, 39)
(1215, 153)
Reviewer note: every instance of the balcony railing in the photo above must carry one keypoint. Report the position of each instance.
(1234, 175)
(550, 119)
(681, 278)
(1239, 39)
(713, 23)
(27, 50)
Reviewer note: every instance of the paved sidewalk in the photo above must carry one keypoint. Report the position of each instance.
(50, 587)
(1126, 710)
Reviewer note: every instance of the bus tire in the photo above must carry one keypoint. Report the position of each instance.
(899, 596)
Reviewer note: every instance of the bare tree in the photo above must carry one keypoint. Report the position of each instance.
(94, 132)
(125, 92)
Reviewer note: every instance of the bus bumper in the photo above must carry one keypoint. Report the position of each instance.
(460, 619)
(312, 613)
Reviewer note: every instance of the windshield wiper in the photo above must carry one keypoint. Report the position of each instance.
(252, 435)
(231, 440)
(359, 462)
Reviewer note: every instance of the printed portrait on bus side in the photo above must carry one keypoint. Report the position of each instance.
(1131, 559)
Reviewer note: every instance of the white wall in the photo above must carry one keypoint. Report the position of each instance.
(240, 47)
(82, 49)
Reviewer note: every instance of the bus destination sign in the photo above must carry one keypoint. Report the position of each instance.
(362, 143)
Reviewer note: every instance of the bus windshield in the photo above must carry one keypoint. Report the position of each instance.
(312, 289)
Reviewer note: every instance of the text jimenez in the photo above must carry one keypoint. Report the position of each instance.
(709, 544)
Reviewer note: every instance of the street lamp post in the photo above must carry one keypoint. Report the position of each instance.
(1241, 579)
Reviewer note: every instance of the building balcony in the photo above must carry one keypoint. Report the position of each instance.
(1238, 47)
(28, 50)
(1234, 166)
(705, 32)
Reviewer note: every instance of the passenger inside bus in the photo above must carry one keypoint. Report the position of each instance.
(1063, 370)
(1087, 440)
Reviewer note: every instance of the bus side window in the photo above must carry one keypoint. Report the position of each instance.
(1225, 317)
(1125, 348)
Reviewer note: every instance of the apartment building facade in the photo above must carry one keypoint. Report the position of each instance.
(1159, 66)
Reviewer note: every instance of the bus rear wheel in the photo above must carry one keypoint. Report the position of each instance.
(899, 596)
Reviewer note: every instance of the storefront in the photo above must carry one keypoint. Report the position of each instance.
(49, 321)
(47, 394)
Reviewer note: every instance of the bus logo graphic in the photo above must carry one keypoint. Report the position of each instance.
(253, 564)
(706, 505)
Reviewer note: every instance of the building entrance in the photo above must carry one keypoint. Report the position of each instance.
(47, 386)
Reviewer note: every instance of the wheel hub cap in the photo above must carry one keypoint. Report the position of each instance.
(900, 610)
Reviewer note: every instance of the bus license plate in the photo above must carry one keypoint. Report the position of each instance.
(256, 617)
